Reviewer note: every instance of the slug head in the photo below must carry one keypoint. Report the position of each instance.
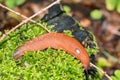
(82, 55)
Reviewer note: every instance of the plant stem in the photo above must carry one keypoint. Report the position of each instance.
(23, 16)
(28, 19)
(103, 72)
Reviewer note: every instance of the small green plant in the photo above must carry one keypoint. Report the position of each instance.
(118, 6)
(102, 62)
(112, 5)
(67, 9)
(96, 14)
(68, 32)
(13, 3)
(1, 0)
(116, 75)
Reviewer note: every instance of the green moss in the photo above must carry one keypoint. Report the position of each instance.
(40, 65)
(94, 50)
(68, 32)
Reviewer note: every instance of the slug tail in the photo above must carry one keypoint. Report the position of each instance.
(17, 54)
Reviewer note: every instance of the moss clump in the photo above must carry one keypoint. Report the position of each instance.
(41, 65)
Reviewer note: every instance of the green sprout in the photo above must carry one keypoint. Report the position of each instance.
(118, 6)
(96, 14)
(67, 9)
(102, 62)
(116, 75)
(111, 4)
(13, 3)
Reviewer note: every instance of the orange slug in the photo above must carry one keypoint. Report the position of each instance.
(56, 41)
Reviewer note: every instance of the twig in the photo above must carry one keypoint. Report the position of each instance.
(28, 19)
(17, 13)
(101, 71)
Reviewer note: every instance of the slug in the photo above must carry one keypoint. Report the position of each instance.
(56, 41)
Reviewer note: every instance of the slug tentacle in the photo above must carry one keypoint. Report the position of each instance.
(56, 41)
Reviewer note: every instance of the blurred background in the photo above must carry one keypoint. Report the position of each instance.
(102, 17)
